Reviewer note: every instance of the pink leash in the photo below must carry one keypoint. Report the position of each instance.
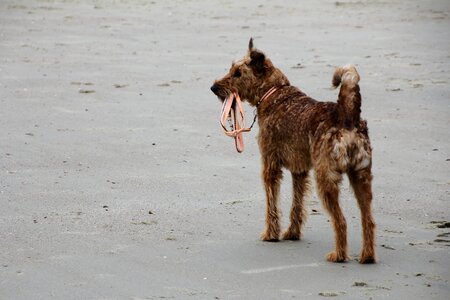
(237, 119)
(237, 116)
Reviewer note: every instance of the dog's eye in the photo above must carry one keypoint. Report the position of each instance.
(237, 74)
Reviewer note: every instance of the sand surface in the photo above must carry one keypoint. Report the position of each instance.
(117, 183)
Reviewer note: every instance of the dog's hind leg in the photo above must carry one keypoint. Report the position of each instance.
(361, 182)
(328, 187)
(272, 176)
(298, 215)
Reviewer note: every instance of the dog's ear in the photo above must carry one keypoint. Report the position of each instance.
(257, 59)
(257, 62)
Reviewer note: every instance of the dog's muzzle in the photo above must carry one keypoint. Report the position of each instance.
(214, 88)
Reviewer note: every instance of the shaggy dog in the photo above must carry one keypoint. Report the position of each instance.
(299, 133)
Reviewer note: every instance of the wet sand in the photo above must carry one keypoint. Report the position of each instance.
(117, 182)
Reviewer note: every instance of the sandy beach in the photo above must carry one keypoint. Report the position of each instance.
(116, 181)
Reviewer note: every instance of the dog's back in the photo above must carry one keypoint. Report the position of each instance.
(295, 128)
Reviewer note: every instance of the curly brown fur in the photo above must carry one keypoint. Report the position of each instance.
(299, 133)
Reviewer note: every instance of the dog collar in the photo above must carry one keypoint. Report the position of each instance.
(267, 95)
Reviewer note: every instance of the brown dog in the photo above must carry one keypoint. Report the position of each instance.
(299, 133)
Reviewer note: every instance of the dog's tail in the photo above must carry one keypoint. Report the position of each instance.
(349, 101)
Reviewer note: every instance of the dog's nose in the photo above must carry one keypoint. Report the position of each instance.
(214, 88)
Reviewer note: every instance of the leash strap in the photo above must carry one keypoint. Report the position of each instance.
(232, 109)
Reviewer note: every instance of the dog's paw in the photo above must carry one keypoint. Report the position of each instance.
(269, 236)
(334, 257)
(367, 259)
(291, 235)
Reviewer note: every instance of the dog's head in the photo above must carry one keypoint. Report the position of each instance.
(250, 77)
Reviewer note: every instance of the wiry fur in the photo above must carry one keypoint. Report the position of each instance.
(299, 133)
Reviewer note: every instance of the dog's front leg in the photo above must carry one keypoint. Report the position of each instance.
(272, 176)
(300, 183)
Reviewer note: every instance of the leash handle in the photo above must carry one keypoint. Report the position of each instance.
(232, 106)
